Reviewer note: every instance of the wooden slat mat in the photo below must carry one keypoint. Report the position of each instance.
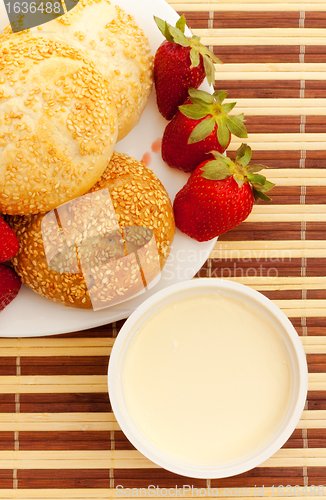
(58, 436)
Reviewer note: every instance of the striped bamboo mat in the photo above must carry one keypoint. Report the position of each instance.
(58, 436)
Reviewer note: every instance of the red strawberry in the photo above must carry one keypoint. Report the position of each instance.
(200, 126)
(8, 242)
(9, 285)
(180, 62)
(219, 195)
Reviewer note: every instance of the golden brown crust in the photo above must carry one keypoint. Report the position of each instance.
(31, 265)
(118, 47)
(139, 199)
(58, 124)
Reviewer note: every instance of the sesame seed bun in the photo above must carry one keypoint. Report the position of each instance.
(58, 125)
(119, 48)
(142, 208)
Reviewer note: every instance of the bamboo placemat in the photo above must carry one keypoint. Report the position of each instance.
(58, 436)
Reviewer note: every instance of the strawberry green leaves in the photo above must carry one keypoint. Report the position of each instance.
(223, 167)
(211, 108)
(194, 58)
(259, 190)
(215, 174)
(203, 129)
(258, 182)
(197, 49)
(256, 178)
(194, 111)
(181, 23)
(217, 169)
(178, 37)
(223, 132)
(164, 28)
(243, 156)
(209, 69)
(200, 96)
(220, 95)
(236, 126)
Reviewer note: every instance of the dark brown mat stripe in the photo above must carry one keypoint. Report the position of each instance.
(244, 234)
(7, 402)
(72, 440)
(250, 55)
(65, 403)
(260, 478)
(317, 323)
(159, 478)
(245, 19)
(261, 89)
(271, 267)
(275, 231)
(92, 440)
(75, 368)
(240, 268)
(316, 267)
(65, 361)
(279, 159)
(64, 478)
(316, 400)
(7, 367)
(7, 441)
(273, 124)
(316, 433)
(268, 89)
(196, 19)
(282, 294)
(316, 363)
(316, 294)
(100, 478)
(315, 330)
(6, 481)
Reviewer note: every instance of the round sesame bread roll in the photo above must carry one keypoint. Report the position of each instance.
(99, 274)
(118, 47)
(58, 124)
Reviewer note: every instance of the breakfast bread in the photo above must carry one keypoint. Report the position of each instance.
(58, 125)
(118, 47)
(112, 227)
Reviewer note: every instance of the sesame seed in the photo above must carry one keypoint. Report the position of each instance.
(37, 162)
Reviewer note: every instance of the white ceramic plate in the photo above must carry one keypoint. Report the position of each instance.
(31, 315)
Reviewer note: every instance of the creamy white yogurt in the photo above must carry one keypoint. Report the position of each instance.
(206, 379)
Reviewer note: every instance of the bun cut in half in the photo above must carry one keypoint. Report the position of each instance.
(108, 245)
(114, 42)
(58, 124)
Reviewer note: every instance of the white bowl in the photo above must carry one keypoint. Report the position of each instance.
(247, 454)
